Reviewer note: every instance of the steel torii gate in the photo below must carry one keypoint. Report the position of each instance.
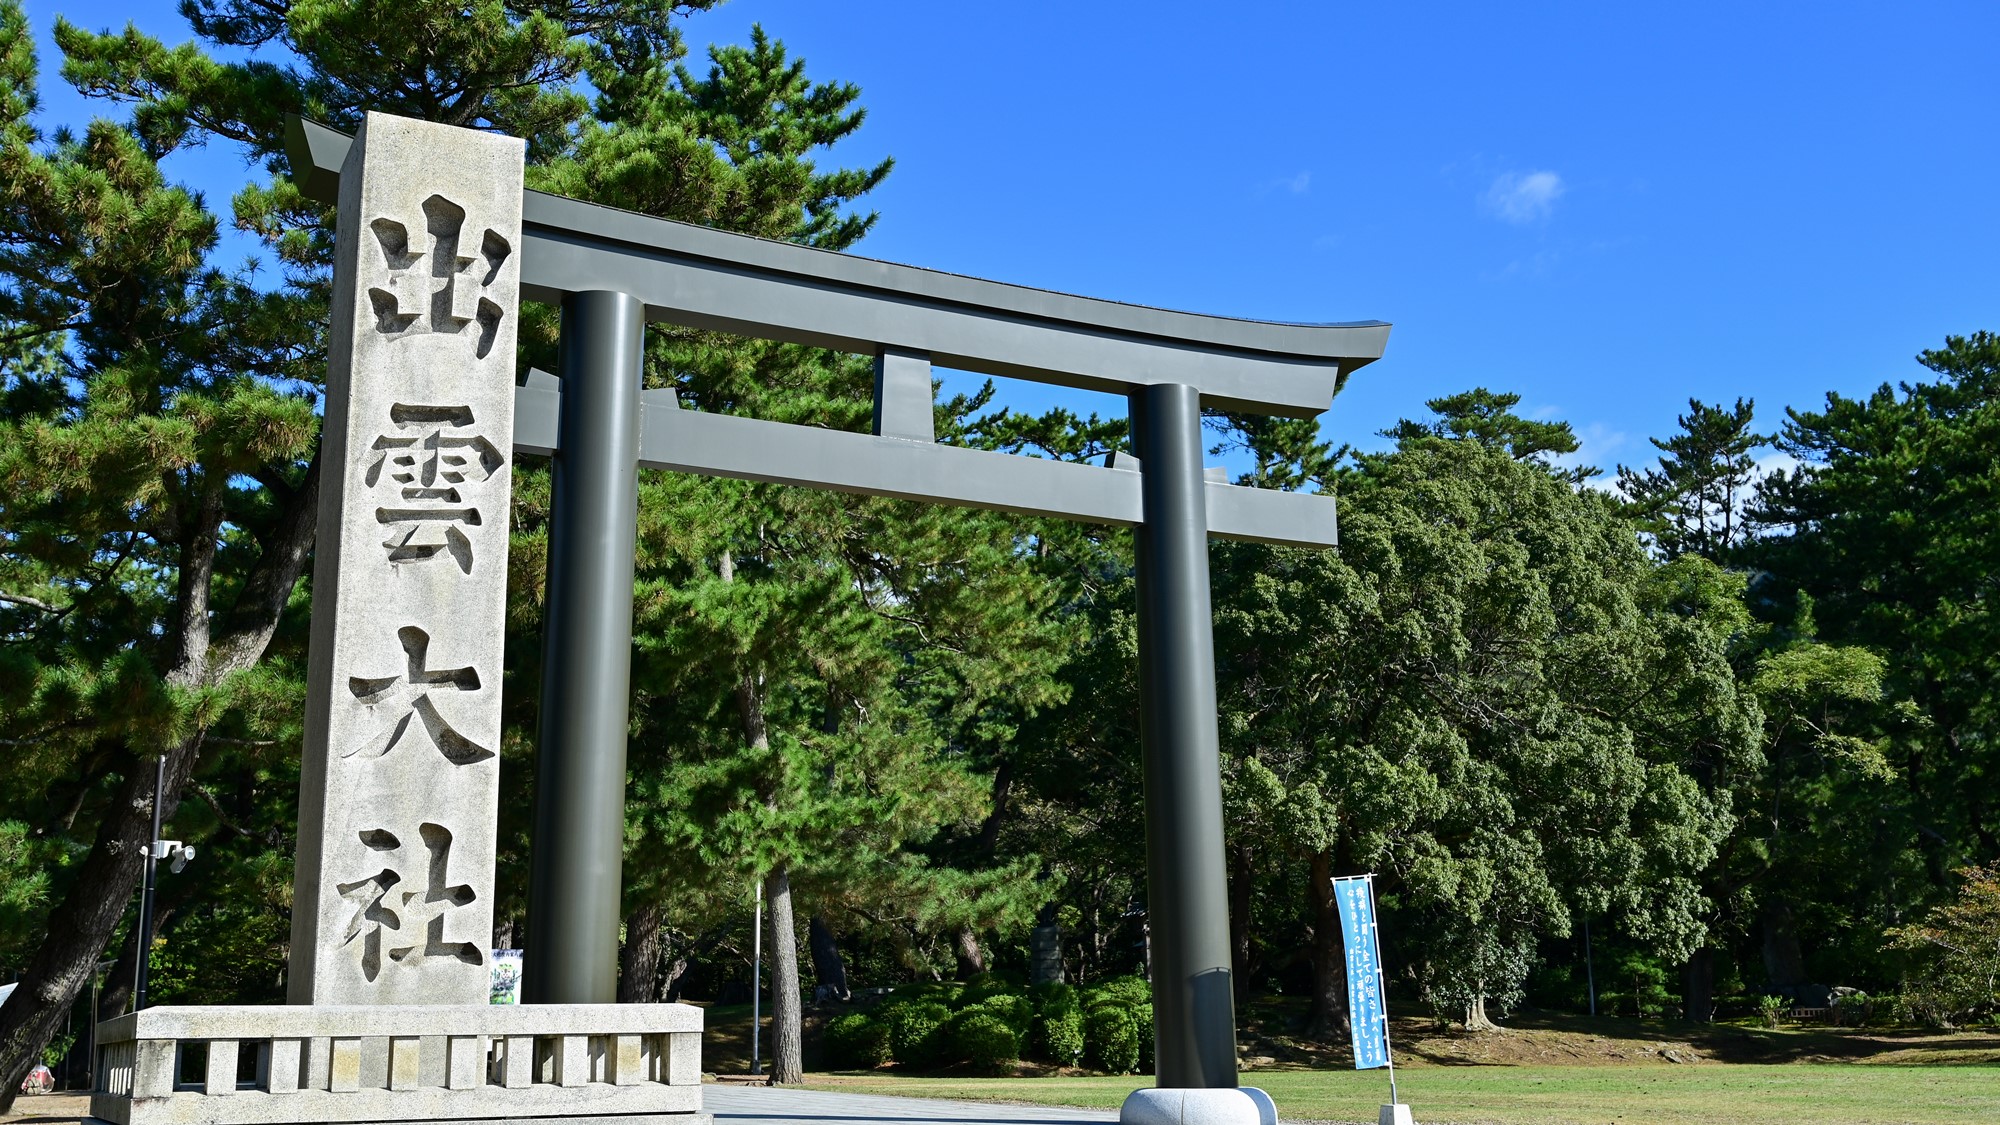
(613, 271)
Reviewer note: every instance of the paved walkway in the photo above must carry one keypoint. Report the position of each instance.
(735, 1105)
(765, 1105)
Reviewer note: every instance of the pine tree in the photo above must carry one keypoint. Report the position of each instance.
(159, 463)
(1694, 502)
(1488, 417)
(156, 487)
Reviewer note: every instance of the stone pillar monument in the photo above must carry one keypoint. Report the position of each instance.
(401, 774)
(392, 914)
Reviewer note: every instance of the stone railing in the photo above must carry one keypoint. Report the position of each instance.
(249, 1066)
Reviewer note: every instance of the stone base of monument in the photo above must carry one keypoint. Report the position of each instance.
(1397, 1114)
(566, 1064)
(1246, 1105)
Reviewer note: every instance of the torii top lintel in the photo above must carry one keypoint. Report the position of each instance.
(716, 280)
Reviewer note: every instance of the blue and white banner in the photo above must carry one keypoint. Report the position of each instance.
(1367, 1012)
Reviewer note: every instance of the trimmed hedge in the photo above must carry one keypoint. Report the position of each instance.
(996, 1024)
(985, 1040)
(1128, 991)
(857, 1041)
(1112, 1038)
(916, 1032)
(1059, 1036)
(1015, 1011)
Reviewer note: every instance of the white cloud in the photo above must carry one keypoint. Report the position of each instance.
(1596, 443)
(1296, 184)
(1774, 462)
(1523, 197)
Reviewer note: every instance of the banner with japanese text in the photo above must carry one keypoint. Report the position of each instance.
(1367, 1013)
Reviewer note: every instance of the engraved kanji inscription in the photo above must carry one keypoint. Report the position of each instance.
(406, 926)
(406, 697)
(434, 458)
(400, 767)
(434, 287)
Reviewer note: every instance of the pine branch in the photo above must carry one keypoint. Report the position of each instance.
(269, 585)
(31, 603)
(215, 806)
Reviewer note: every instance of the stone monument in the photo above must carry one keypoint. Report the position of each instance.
(392, 906)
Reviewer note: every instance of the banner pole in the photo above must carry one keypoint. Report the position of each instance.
(1382, 983)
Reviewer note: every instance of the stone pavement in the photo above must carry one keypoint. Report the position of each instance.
(765, 1105)
(735, 1105)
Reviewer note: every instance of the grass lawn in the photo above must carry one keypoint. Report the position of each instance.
(1652, 1094)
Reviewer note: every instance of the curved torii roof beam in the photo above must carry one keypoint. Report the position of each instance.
(909, 317)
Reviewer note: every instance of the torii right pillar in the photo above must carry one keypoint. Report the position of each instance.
(1187, 888)
(1187, 898)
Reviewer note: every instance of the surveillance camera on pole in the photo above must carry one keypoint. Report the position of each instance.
(177, 853)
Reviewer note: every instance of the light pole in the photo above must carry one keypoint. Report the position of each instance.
(757, 985)
(156, 850)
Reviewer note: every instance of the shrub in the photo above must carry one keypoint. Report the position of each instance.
(1054, 996)
(985, 1040)
(1853, 1009)
(1142, 1025)
(1058, 1023)
(1013, 1010)
(944, 992)
(1954, 953)
(1111, 1037)
(857, 1041)
(1059, 1035)
(1772, 1008)
(916, 1028)
(984, 986)
(1126, 991)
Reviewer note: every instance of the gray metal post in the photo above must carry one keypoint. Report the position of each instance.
(578, 847)
(142, 948)
(1187, 885)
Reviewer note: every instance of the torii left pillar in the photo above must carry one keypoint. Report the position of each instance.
(577, 853)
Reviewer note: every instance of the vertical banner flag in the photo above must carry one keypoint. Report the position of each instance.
(1367, 1011)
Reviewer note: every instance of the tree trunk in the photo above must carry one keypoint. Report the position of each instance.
(1698, 985)
(989, 829)
(1327, 1021)
(670, 991)
(81, 925)
(965, 947)
(787, 1061)
(639, 957)
(1784, 961)
(829, 973)
(786, 1017)
(117, 991)
(1475, 1015)
(1241, 880)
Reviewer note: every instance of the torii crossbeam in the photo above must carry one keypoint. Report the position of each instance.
(613, 271)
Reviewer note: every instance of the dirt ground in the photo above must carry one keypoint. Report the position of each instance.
(1550, 1039)
(1527, 1038)
(48, 1109)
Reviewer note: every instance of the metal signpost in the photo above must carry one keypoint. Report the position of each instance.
(611, 272)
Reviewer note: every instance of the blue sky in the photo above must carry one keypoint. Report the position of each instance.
(1604, 208)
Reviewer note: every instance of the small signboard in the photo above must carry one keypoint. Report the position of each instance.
(506, 987)
(1367, 1011)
